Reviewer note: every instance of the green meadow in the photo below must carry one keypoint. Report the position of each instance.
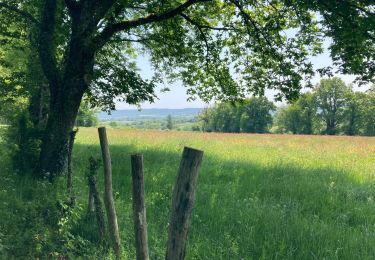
(259, 197)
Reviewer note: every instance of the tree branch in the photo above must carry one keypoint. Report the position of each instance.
(203, 26)
(344, 17)
(249, 21)
(22, 13)
(130, 40)
(203, 35)
(112, 29)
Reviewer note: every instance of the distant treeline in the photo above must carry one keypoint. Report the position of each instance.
(331, 108)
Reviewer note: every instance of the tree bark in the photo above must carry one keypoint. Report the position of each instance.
(54, 153)
(331, 128)
(67, 83)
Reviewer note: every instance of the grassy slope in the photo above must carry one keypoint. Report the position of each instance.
(268, 196)
(259, 196)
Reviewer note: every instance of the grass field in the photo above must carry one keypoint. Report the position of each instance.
(259, 196)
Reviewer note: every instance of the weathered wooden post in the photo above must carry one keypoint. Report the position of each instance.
(69, 183)
(182, 203)
(95, 203)
(139, 209)
(108, 193)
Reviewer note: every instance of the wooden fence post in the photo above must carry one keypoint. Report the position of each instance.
(94, 198)
(69, 183)
(182, 203)
(108, 194)
(139, 209)
(99, 213)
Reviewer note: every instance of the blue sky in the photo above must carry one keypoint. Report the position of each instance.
(177, 98)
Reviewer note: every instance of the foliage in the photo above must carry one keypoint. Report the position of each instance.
(20, 72)
(115, 78)
(298, 117)
(113, 124)
(350, 25)
(33, 221)
(331, 98)
(216, 38)
(332, 108)
(255, 115)
(23, 142)
(249, 116)
(86, 115)
(354, 113)
(369, 113)
(169, 122)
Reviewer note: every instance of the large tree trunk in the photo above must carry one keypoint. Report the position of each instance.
(67, 86)
(331, 127)
(68, 81)
(55, 144)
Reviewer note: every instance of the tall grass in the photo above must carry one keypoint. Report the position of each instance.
(259, 196)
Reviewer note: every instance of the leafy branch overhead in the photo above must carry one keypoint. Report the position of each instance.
(219, 49)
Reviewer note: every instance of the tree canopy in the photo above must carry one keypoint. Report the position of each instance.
(331, 98)
(219, 49)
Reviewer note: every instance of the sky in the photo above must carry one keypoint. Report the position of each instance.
(176, 98)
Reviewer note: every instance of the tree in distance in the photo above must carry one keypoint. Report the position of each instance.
(331, 98)
(299, 117)
(248, 116)
(169, 122)
(332, 108)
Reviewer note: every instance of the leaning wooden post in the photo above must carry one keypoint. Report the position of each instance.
(182, 203)
(69, 183)
(139, 209)
(94, 198)
(108, 194)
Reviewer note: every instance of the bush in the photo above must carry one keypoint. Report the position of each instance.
(86, 116)
(24, 141)
(113, 124)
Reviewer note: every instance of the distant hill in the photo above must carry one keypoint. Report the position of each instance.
(152, 113)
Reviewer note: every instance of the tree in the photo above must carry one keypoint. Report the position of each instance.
(354, 113)
(369, 112)
(331, 97)
(248, 116)
(169, 122)
(288, 119)
(298, 117)
(87, 47)
(223, 117)
(205, 120)
(255, 116)
(307, 104)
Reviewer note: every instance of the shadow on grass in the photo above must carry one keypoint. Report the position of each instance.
(245, 210)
